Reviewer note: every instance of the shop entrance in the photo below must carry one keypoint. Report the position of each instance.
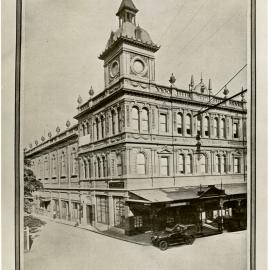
(89, 214)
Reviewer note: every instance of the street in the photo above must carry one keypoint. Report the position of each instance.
(63, 247)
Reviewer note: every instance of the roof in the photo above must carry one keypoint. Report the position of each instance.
(186, 193)
(127, 4)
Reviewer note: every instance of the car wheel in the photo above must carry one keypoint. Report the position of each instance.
(163, 245)
(190, 240)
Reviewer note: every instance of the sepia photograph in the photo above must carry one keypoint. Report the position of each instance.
(135, 135)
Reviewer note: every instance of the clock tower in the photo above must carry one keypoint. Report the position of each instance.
(129, 52)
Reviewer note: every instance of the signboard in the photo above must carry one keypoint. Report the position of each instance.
(178, 204)
(116, 184)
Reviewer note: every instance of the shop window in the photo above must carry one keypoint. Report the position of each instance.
(181, 164)
(135, 118)
(102, 209)
(145, 120)
(138, 221)
(163, 122)
(164, 166)
(235, 130)
(236, 165)
(140, 164)
(189, 164)
(119, 164)
(119, 211)
(206, 126)
(179, 122)
(188, 124)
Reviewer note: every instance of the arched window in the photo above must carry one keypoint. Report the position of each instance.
(188, 124)
(98, 167)
(119, 119)
(189, 164)
(203, 164)
(102, 120)
(113, 122)
(119, 164)
(236, 164)
(179, 123)
(199, 125)
(97, 129)
(222, 129)
(206, 126)
(46, 166)
(181, 164)
(89, 168)
(217, 164)
(235, 130)
(104, 167)
(53, 166)
(135, 118)
(140, 164)
(73, 163)
(87, 128)
(83, 130)
(63, 165)
(85, 169)
(223, 164)
(215, 127)
(145, 120)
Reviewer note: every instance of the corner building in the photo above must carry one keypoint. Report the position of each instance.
(132, 163)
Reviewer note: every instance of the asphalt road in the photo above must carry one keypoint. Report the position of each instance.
(62, 247)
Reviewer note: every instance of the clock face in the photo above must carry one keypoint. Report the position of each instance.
(114, 69)
(138, 66)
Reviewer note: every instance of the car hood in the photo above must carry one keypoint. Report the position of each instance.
(162, 234)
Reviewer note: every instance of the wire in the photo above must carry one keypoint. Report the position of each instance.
(222, 87)
(176, 15)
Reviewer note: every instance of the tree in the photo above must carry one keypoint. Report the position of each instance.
(31, 184)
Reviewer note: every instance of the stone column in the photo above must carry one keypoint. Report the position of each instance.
(83, 219)
(69, 207)
(111, 211)
(60, 206)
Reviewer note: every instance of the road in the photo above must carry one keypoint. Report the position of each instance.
(62, 247)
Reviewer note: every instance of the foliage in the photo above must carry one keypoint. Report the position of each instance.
(31, 184)
(33, 223)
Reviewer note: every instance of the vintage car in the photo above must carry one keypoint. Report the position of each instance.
(178, 234)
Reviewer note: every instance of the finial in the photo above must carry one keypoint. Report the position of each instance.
(42, 138)
(58, 129)
(225, 91)
(30, 145)
(172, 80)
(49, 134)
(68, 124)
(201, 78)
(210, 85)
(79, 100)
(91, 92)
(36, 142)
(192, 80)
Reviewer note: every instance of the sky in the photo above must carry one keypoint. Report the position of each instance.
(62, 40)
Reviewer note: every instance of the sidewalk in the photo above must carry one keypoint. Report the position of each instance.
(141, 239)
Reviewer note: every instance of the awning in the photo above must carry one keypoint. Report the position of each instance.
(44, 199)
(184, 193)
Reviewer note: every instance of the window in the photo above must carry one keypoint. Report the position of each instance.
(188, 124)
(83, 130)
(119, 164)
(235, 130)
(63, 165)
(102, 127)
(179, 121)
(89, 168)
(236, 165)
(163, 122)
(104, 166)
(113, 122)
(217, 163)
(140, 164)
(223, 164)
(73, 163)
(53, 166)
(138, 221)
(97, 129)
(206, 126)
(135, 118)
(85, 169)
(119, 119)
(87, 128)
(203, 164)
(189, 164)
(181, 164)
(46, 165)
(102, 209)
(215, 127)
(199, 125)
(98, 167)
(164, 166)
(222, 128)
(119, 211)
(145, 120)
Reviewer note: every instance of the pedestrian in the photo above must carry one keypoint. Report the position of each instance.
(54, 214)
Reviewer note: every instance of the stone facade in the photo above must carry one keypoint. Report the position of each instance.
(136, 135)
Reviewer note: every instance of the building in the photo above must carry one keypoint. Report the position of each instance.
(132, 161)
